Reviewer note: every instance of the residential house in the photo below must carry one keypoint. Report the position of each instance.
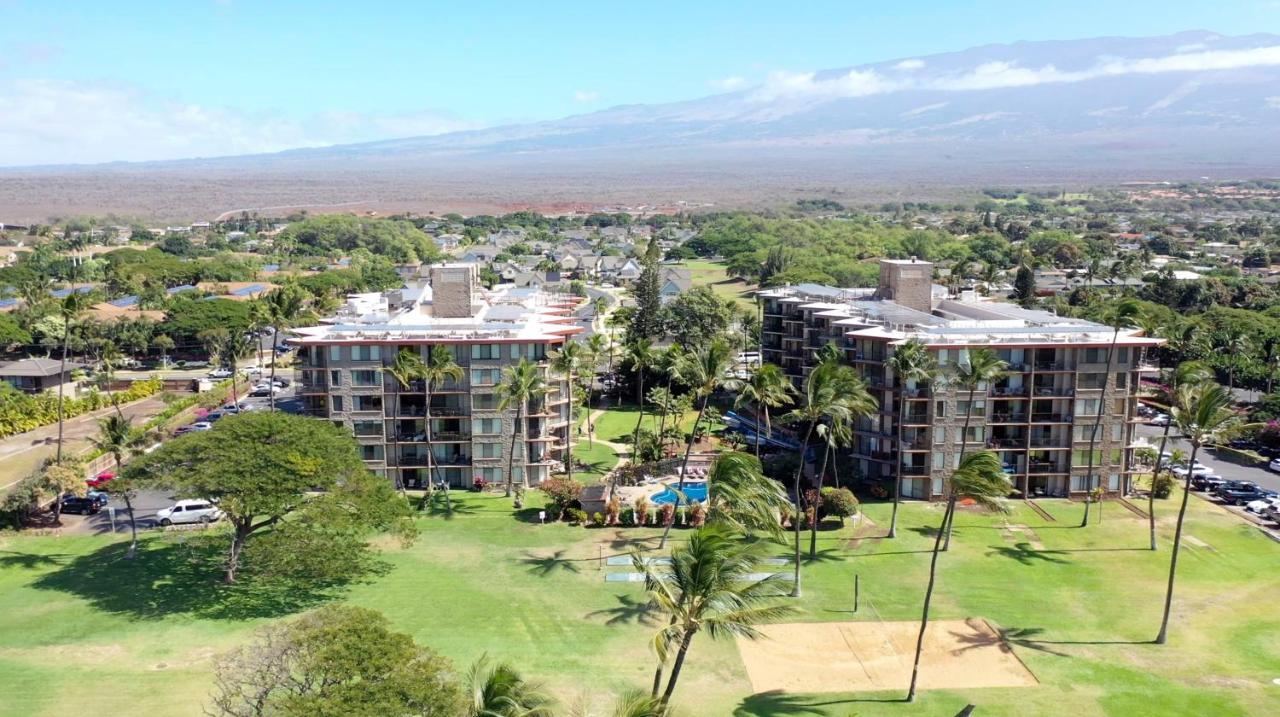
(36, 375)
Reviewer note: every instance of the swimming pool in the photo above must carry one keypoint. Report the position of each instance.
(692, 491)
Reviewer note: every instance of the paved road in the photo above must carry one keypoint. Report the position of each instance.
(1230, 471)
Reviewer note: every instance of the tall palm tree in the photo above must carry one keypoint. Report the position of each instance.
(404, 369)
(69, 310)
(1203, 410)
(982, 367)
(979, 478)
(767, 388)
(741, 498)
(1187, 373)
(439, 368)
(598, 345)
(1119, 315)
(282, 308)
(823, 398)
(640, 353)
(568, 361)
(111, 358)
(521, 383)
(668, 364)
(708, 587)
(910, 362)
(117, 436)
(496, 689)
(704, 370)
(837, 431)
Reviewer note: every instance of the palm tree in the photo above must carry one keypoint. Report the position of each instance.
(1120, 314)
(741, 498)
(1202, 411)
(439, 367)
(837, 432)
(982, 368)
(767, 388)
(704, 370)
(668, 364)
(568, 361)
(979, 478)
(164, 344)
(405, 369)
(282, 308)
(598, 306)
(640, 353)
(520, 384)
(496, 689)
(597, 346)
(823, 398)
(117, 436)
(910, 362)
(1187, 373)
(111, 358)
(708, 587)
(69, 310)
(1237, 347)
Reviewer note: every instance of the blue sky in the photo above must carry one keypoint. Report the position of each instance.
(99, 81)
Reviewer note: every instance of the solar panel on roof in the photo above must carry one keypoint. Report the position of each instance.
(6, 303)
(179, 289)
(248, 290)
(124, 302)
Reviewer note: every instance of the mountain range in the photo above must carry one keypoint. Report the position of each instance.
(1099, 110)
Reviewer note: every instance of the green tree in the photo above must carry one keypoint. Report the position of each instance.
(521, 384)
(979, 478)
(707, 588)
(1168, 395)
(439, 368)
(646, 319)
(164, 345)
(1024, 285)
(912, 363)
(696, 316)
(768, 387)
(741, 498)
(406, 368)
(640, 354)
(70, 310)
(1202, 412)
(118, 437)
(282, 308)
(496, 689)
(1119, 315)
(704, 370)
(569, 361)
(979, 367)
(340, 660)
(269, 486)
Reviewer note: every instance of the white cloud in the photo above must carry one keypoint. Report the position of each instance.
(995, 75)
(909, 65)
(1274, 102)
(66, 122)
(925, 108)
(585, 96)
(1180, 92)
(728, 84)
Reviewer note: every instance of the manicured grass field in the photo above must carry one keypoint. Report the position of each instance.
(80, 628)
(712, 273)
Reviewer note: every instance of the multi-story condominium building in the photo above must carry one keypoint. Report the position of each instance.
(341, 377)
(1038, 418)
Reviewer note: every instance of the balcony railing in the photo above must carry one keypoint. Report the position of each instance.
(1008, 418)
(1046, 442)
(416, 460)
(1012, 442)
(1002, 391)
(915, 418)
(1045, 468)
(1050, 418)
(1051, 366)
(915, 470)
(1053, 391)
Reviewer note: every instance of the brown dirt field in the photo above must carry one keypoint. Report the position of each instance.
(873, 656)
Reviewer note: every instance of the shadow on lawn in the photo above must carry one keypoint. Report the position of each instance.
(31, 561)
(1027, 555)
(183, 577)
(777, 702)
(629, 610)
(1029, 637)
(542, 566)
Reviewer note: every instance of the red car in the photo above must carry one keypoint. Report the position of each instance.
(101, 480)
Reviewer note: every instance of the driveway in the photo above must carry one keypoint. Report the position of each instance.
(1230, 471)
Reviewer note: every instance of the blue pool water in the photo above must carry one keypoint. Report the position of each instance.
(692, 492)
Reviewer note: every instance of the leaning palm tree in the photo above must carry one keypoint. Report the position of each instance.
(496, 689)
(640, 353)
(1119, 315)
(836, 432)
(598, 346)
(668, 364)
(910, 362)
(767, 388)
(979, 478)
(741, 497)
(521, 384)
(705, 371)
(1202, 412)
(709, 587)
(822, 399)
(440, 367)
(568, 361)
(118, 437)
(69, 310)
(281, 309)
(982, 367)
(404, 370)
(1187, 373)
(111, 358)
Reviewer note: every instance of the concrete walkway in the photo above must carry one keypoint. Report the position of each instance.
(623, 451)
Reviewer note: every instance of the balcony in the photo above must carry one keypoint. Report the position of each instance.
(915, 470)
(313, 387)
(1050, 418)
(1052, 366)
(1047, 442)
(916, 418)
(1009, 442)
(1045, 468)
(1009, 418)
(1051, 391)
(416, 460)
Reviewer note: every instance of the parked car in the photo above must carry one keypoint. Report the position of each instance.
(220, 373)
(192, 427)
(1274, 465)
(101, 498)
(1206, 481)
(1198, 468)
(189, 511)
(101, 479)
(1243, 494)
(236, 407)
(1261, 505)
(1160, 419)
(80, 505)
(265, 389)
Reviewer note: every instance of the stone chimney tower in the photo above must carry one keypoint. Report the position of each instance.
(453, 290)
(908, 282)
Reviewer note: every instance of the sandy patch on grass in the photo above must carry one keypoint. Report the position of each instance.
(872, 656)
(1193, 540)
(79, 655)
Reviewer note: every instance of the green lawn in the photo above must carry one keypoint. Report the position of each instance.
(80, 626)
(712, 273)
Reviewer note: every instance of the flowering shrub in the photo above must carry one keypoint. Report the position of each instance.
(478, 484)
(563, 494)
(20, 412)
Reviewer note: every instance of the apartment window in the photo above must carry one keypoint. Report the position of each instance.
(335, 379)
(1087, 407)
(940, 408)
(976, 434)
(979, 409)
(943, 356)
(366, 353)
(364, 378)
(939, 434)
(1081, 458)
(335, 402)
(488, 450)
(515, 351)
(490, 475)
(1082, 433)
(1117, 431)
(486, 426)
(335, 353)
(1121, 406)
(367, 428)
(1077, 483)
(484, 402)
(939, 461)
(371, 453)
(1092, 380)
(366, 403)
(1122, 381)
(485, 376)
(1122, 355)
(1113, 481)
(486, 351)
(1117, 456)
(937, 486)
